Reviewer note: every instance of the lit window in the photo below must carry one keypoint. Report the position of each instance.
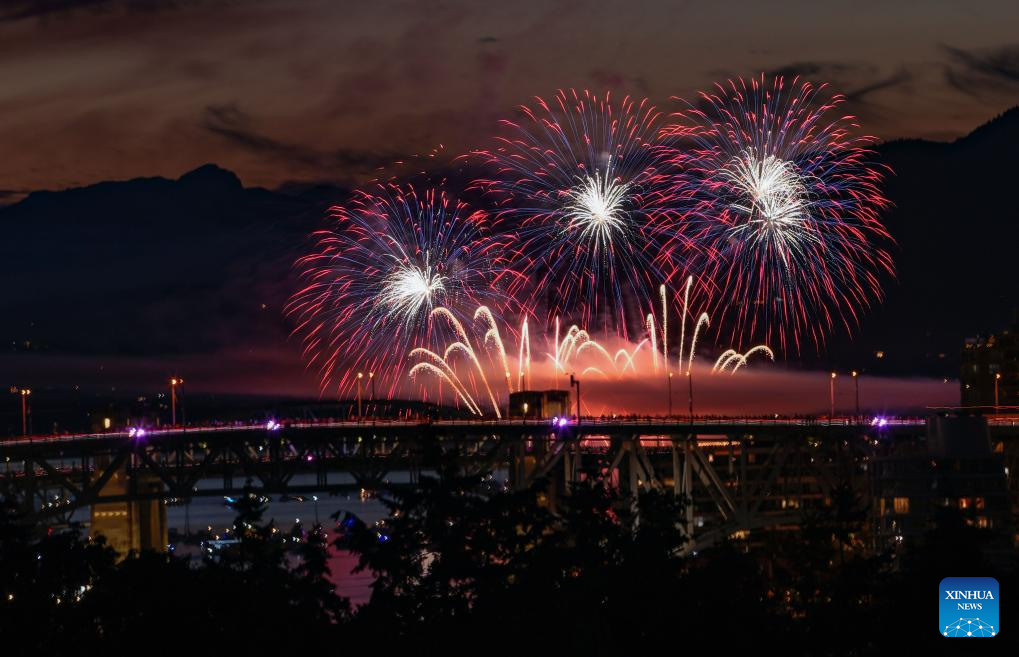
(965, 503)
(901, 505)
(978, 502)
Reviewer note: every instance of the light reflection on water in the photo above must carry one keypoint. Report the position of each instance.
(210, 511)
(205, 512)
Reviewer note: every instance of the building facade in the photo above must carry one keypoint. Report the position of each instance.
(539, 404)
(989, 373)
(957, 468)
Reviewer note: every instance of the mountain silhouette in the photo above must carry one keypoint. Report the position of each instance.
(151, 266)
(956, 226)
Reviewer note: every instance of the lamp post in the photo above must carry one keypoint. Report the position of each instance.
(509, 392)
(856, 383)
(573, 474)
(831, 415)
(997, 377)
(689, 380)
(174, 382)
(576, 382)
(371, 382)
(360, 375)
(24, 392)
(670, 394)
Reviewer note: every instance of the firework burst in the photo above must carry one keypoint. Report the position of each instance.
(788, 206)
(584, 185)
(391, 256)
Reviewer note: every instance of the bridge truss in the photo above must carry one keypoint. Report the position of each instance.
(737, 476)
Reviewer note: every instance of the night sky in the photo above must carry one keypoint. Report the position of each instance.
(121, 284)
(318, 90)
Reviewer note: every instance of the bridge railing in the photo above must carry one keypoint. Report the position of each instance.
(677, 422)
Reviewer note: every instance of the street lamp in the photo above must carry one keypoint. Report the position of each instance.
(24, 393)
(360, 375)
(997, 377)
(670, 394)
(856, 383)
(831, 415)
(509, 393)
(371, 382)
(576, 382)
(174, 382)
(689, 380)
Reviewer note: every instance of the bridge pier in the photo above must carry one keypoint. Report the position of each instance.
(322, 471)
(569, 471)
(520, 465)
(138, 522)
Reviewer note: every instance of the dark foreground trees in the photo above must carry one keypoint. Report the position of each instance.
(67, 594)
(462, 566)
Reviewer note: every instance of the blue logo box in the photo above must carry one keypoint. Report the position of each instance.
(968, 607)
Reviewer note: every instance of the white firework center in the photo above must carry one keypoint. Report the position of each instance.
(597, 207)
(411, 289)
(774, 201)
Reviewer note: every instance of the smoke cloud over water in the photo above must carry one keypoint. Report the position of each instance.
(765, 390)
(759, 388)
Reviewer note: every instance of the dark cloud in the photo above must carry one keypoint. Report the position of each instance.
(235, 125)
(973, 71)
(957, 81)
(812, 69)
(19, 9)
(843, 75)
(859, 94)
(13, 10)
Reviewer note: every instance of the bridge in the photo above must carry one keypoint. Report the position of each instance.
(739, 473)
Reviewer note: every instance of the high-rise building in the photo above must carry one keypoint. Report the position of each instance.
(956, 467)
(989, 375)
